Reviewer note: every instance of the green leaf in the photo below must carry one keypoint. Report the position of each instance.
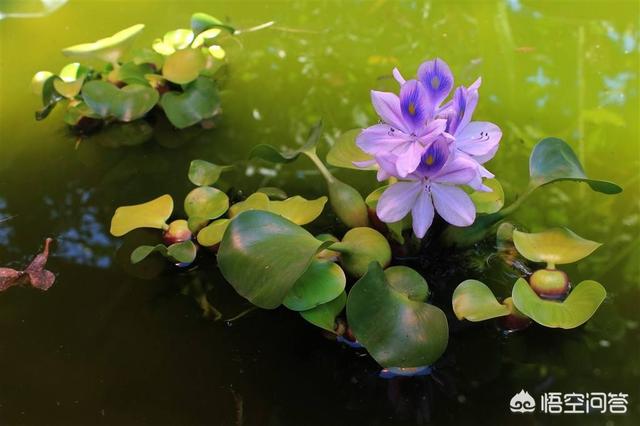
(273, 192)
(262, 255)
(183, 252)
(204, 173)
(408, 282)
(70, 80)
(50, 98)
(297, 209)
(201, 22)
(132, 73)
(489, 202)
(126, 104)
(474, 301)
(345, 152)
(321, 283)
(206, 202)
(108, 49)
(199, 101)
(142, 252)
(552, 160)
(146, 55)
(183, 66)
(395, 330)
(555, 246)
(395, 228)
(152, 214)
(274, 155)
(361, 246)
(205, 38)
(575, 310)
(348, 204)
(38, 80)
(212, 234)
(324, 316)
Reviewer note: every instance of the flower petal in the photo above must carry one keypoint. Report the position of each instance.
(460, 170)
(399, 78)
(422, 213)
(380, 138)
(387, 166)
(396, 202)
(453, 204)
(479, 139)
(437, 79)
(387, 105)
(414, 104)
(408, 161)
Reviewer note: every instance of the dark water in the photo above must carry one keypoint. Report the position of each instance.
(107, 345)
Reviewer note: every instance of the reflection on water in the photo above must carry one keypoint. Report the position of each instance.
(124, 346)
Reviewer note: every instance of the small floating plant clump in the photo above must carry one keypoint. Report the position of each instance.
(546, 297)
(430, 158)
(176, 75)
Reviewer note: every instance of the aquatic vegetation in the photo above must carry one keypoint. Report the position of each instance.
(34, 275)
(176, 76)
(546, 297)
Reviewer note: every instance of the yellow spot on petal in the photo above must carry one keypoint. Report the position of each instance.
(429, 160)
(435, 82)
(412, 108)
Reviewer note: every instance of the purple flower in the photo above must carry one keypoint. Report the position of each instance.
(432, 188)
(408, 126)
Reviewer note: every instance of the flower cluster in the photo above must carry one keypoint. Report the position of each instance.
(431, 147)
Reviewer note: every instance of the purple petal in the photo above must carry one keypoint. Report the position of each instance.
(455, 112)
(479, 139)
(453, 204)
(432, 130)
(414, 105)
(364, 164)
(434, 158)
(396, 202)
(399, 78)
(387, 166)
(437, 79)
(422, 213)
(459, 170)
(387, 105)
(380, 138)
(409, 160)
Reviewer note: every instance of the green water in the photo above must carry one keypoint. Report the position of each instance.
(107, 346)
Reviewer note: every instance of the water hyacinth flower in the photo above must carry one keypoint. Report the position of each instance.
(432, 187)
(432, 147)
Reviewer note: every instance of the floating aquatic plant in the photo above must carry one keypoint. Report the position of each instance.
(546, 297)
(176, 76)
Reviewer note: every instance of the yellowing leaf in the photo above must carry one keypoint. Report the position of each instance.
(212, 234)
(555, 246)
(297, 209)
(489, 202)
(152, 214)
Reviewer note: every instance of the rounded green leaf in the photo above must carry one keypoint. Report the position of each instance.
(206, 202)
(555, 246)
(474, 301)
(489, 202)
(255, 201)
(212, 234)
(205, 37)
(142, 252)
(126, 104)
(345, 152)
(361, 246)
(38, 80)
(407, 281)
(178, 39)
(152, 214)
(552, 159)
(199, 101)
(183, 252)
(146, 55)
(299, 210)
(324, 316)
(70, 80)
(183, 66)
(322, 282)
(395, 330)
(575, 310)
(201, 22)
(108, 49)
(203, 173)
(262, 255)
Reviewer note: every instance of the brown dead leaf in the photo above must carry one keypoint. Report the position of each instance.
(35, 274)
